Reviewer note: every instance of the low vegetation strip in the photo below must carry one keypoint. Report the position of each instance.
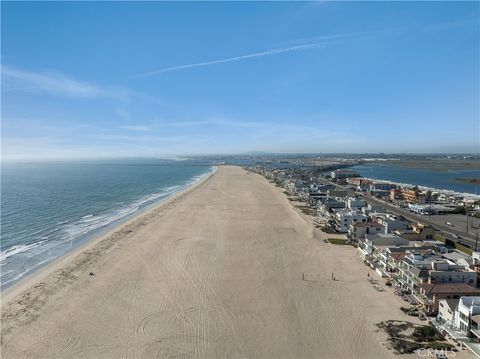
(406, 337)
(337, 241)
(455, 245)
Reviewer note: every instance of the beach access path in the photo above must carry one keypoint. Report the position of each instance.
(215, 272)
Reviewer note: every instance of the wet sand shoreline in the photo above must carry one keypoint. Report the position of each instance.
(215, 272)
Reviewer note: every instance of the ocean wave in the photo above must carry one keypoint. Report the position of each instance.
(58, 239)
(20, 274)
(20, 248)
(198, 178)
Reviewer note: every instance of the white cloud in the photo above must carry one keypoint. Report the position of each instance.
(53, 83)
(216, 122)
(136, 128)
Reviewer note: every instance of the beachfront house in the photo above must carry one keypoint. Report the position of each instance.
(461, 314)
(327, 204)
(421, 259)
(460, 318)
(390, 258)
(430, 294)
(358, 230)
(445, 271)
(344, 218)
(428, 267)
(447, 309)
(392, 224)
(467, 308)
(355, 204)
(371, 246)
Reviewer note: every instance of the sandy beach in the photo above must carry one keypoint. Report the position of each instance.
(215, 272)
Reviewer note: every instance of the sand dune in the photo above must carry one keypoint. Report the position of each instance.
(214, 273)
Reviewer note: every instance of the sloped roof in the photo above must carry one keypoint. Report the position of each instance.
(449, 288)
(398, 256)
(419, 273)
(452, 303)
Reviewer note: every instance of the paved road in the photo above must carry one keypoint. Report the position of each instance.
(468, 238)
(447, 231)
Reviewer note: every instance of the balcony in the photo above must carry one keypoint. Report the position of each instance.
(476, 332)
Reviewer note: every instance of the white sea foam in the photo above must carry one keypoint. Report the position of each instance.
(56, 241)
(21, 248)
(19, 275)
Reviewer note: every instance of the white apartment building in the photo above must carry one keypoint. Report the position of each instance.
(467, 307)
(345, 218)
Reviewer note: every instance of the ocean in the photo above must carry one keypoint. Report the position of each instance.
(421, 177)
(48, 209)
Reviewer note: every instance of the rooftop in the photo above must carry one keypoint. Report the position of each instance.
(449, 288)
(476, 318)
(368, 224)
(419, 273)
(451, 303)
(398, 256)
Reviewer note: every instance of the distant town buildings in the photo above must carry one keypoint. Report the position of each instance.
(342, 174)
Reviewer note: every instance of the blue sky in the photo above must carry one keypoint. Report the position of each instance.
(123, 79)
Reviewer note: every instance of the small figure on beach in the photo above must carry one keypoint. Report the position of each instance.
(368, 274)
(333, 278)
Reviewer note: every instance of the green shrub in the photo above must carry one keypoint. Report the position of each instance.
(426, 333)
(337, 241)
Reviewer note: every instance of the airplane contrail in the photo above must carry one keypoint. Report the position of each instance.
(236, 58)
